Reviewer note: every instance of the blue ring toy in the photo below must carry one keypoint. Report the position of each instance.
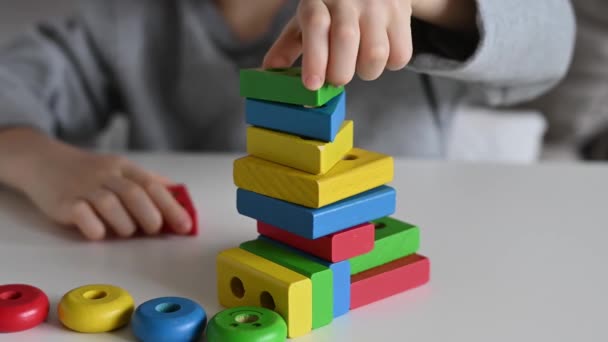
(169, 319)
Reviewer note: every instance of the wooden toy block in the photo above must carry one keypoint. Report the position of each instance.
(169, 319)
(341, 273)
(22, 307)
(182, 196)
(315, 223)
(393, 240)
(96, 308)
(321, 123)
(335, 247)
(312, 156)
(283, 85)
(320, 276)
(359, 171)
(247, 324)
(390, 279)
(245, 279)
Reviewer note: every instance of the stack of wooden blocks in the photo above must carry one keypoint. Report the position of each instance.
(327, 244)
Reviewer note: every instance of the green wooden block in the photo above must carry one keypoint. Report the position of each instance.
(394, 239)
(321, 277)
(284, 85)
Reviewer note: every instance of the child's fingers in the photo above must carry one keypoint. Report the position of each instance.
(400, 40)
(169, 208)
(344, 38)
(87, 221)
(138, 203)
(112, 211)
(286, 49)
(374, 49)
(173, 213)
(314, 20)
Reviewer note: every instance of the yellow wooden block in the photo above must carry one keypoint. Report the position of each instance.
(359, 171)
(312, 156)
(245, 279)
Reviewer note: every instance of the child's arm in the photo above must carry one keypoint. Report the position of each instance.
(93, 192)
(513, 50)
(54, 84)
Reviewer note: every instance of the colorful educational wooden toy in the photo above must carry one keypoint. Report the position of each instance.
(96, 308)
(359, 171)
(320, 276)
(320, 123)
(312, 156)
(285, 86)
(169, 319)
(394, 239)
(247, 324)
(322, 208)
(316, 223)
(335, 247)
(389, 279)
(245, 279)
(180, 192)
(22, 307)
(340, 271)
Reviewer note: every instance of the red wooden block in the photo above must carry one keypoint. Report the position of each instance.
(336, 247)
(182, 196)
(388, 280)
(22, 307)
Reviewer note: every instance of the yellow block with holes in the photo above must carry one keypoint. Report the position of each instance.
(312, 156)
(245, 279)
(359, 171)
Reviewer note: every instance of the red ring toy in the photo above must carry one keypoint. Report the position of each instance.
(22, 307)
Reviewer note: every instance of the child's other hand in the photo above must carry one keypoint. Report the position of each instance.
(99, 193)
(337, 38)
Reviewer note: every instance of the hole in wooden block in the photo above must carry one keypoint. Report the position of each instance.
(167, 307)
(10, 295)
(234, 325)
(257, 325)
(350, 157)
(246, 318)
(267, 301)
(95, 294)
(379, 225)
(236, 285)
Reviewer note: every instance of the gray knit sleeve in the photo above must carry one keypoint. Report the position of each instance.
(53, 79)
(522, 49)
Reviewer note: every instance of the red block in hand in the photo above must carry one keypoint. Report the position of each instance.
(183, 198)
(22, 307)
(336, 247)
(389, 279)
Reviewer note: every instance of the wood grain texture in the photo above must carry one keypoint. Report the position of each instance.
(359, 171)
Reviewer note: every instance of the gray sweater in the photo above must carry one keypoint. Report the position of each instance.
(171, 67)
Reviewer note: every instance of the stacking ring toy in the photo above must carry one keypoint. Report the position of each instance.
(246, 324)
(169, 319)
(96, 308)
(22, 307)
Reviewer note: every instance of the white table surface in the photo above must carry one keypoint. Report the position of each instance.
(518, 253)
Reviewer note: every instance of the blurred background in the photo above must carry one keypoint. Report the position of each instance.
(569, 124)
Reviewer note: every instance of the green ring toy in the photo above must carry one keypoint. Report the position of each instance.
(247, 324)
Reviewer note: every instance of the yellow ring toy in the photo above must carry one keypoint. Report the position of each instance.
(96, 308)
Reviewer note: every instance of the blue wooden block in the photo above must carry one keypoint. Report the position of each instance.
(341, 273)
(321, 123)
(315, 223)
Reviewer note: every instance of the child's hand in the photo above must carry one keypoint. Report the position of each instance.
(337, 38)
(96, 193)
